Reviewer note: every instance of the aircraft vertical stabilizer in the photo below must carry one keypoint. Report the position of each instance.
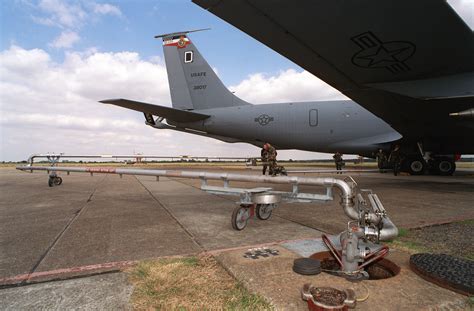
(193, 83)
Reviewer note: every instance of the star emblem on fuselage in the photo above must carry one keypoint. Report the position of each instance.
(264, 119)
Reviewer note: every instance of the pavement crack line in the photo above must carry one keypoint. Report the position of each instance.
(168, 211)
(281, 217)
(76, 214)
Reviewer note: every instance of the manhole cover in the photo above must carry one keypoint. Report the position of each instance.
(447, 271)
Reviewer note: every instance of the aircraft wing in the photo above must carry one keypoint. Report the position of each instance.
(409, 62)
(165, 112)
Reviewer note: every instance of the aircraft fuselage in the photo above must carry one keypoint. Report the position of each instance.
(328, 126)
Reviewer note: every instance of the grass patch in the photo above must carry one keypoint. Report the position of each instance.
(406, 243)
(189, 283)
(468, 222)
(470, 301)
(409, 246)
(402, 232)
(448, 239)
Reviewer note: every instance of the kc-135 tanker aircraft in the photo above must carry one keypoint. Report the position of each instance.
(409, 72)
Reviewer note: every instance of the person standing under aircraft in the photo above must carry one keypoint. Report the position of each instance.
(338, 161)
(272, 155)
(381, 160)
(396, 159)
(264, 157)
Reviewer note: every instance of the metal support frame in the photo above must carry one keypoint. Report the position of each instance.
(369, 219)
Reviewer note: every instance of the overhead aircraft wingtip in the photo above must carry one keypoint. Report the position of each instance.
(109, 101)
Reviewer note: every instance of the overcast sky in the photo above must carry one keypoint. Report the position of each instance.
(58, 58)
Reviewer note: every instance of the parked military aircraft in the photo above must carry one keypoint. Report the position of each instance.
(202, 105)
(409, 62)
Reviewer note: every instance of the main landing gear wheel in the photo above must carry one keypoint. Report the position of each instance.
(445, 166)
(416, 166)
(240, 217)
(264, 211)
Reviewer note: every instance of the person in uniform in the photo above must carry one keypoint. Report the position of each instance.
(381, 160)
(264, 157)
(271, 158)
(396, 159)
(338, 161)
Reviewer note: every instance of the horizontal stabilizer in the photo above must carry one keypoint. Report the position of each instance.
(165, 112)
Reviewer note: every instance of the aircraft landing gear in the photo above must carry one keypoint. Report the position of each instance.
(443, 166)
(54, 180)
(415, 165)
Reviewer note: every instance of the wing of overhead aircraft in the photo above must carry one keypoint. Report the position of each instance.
(409, 62)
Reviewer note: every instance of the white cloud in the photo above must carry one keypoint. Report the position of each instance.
(106, 8)
(287, 86)
(71, 16)
(65, 40)
(53, 107)
(62, 13)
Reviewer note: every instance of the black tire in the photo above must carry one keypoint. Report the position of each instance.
(416, 166)
(307, 266)
(261, 212)
(58, 181)
(445, 166)
(237, 222)
(50, 181)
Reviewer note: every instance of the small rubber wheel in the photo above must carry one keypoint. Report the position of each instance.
(307, 266)
(58, 181)
(239, 218)
(264, 211)
(50, 182)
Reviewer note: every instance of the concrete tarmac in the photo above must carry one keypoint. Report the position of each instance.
(92, 221)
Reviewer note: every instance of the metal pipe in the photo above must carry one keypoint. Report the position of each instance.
(133, 156)
(347, 196)
(389, 231)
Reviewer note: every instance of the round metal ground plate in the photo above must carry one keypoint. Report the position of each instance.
(447, 271)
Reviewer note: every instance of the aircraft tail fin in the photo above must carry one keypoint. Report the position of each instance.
(193, 83)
